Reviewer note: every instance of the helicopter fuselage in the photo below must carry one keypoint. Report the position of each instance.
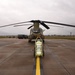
(34, 33)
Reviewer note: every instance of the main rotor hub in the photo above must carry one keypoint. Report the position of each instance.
(35, 21)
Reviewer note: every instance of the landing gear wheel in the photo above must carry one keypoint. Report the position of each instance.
(43, 41)
(29, 40)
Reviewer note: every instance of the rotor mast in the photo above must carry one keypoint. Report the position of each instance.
(36, 25)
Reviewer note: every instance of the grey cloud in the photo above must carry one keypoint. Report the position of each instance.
(22, 10)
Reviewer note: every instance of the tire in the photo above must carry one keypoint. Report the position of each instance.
(29, 40)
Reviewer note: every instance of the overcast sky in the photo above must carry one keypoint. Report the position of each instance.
(12, 11)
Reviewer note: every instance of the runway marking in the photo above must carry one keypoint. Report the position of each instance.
(56, 58)
(9, 45)
(9, 56)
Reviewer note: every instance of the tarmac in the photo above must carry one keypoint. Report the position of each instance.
(16, 57)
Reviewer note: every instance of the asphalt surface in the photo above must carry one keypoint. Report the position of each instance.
(16, 57)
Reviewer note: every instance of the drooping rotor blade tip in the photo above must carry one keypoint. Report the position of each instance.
(30, 26)
(4, 26)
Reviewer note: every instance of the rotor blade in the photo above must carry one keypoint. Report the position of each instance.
(55, 26)
(13, 24)
(21, 25)
(59, 23)
(30, 26)
(4, 26)
(42, 23)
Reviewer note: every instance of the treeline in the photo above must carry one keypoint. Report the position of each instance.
(70, 37)
(15, 36)
(8, 36)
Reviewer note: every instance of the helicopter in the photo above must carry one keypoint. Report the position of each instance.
(35, 30)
